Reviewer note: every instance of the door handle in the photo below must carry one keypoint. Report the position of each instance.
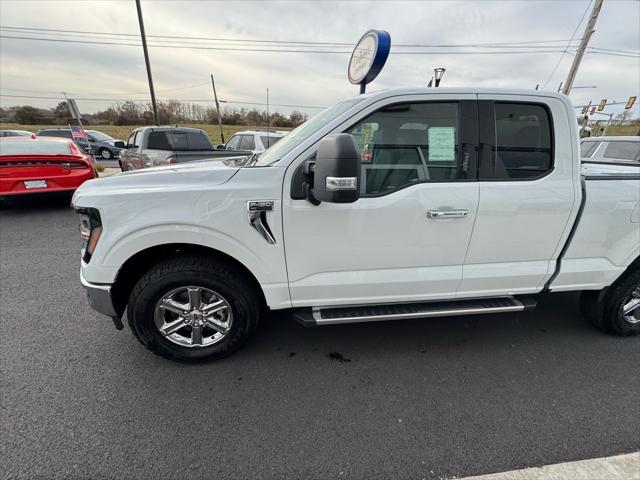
(446, 213)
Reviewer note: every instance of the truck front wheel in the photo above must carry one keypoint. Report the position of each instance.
(617, 311)
(193, 308)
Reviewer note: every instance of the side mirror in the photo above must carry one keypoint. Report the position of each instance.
(119, 144)
(222, 146)
(336, 176)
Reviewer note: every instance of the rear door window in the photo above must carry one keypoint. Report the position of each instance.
(247, 142)
(521, 146)
(617, 150)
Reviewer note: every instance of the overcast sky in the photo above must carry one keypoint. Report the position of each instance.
(38, 68)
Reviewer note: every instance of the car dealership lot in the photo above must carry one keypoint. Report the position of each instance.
(433, 398)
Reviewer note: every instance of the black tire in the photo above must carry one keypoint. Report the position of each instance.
(102, 151)
(181, 271)
(590, 308)
(607, 314)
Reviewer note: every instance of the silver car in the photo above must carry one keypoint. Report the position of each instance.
(605, 150)
(15, 133)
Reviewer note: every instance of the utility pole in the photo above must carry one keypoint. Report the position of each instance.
(215, 96)
(72, 108)
(268, 119)
(146, 61)
(588, 31)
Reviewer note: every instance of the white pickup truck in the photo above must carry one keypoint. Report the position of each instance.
(391, 205)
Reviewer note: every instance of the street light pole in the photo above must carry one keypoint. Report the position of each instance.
(588, 31)
(146, 61)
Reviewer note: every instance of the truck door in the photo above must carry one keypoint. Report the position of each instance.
(529, 193)
(406, 237)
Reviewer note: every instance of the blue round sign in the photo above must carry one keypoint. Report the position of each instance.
(369, 56)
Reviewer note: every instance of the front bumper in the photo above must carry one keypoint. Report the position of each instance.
(100, 298)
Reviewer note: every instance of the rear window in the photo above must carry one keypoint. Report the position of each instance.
(34, 148)
(268, 141)
(55, 133)
(158, 141)
(198, 141)
(623, 151)
(587, 149)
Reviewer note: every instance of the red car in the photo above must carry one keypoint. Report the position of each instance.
(41, 165)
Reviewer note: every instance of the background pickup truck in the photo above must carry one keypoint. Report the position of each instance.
(154, 146)
(390, 205)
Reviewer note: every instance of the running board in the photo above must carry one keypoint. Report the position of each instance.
(400, 311)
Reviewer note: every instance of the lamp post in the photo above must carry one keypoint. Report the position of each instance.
(438, 74)
(143, 37)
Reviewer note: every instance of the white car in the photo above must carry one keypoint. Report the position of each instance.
(396, 204)
(255, 140)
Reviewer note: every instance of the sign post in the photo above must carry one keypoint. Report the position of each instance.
(368, 58)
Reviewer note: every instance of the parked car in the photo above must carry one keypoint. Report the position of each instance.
(98, 144)
(404, 203)
(103, 146)
(14, 133)
(154, 146)
(42, 165)
(255, 140)
(619, 150)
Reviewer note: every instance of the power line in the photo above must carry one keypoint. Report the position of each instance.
(227, 39)
(282, 44)
(204, 100)
(300, 45)
(271, 50)
(109, 93)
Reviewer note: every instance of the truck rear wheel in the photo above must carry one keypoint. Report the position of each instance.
(618, 310)
(193, 308)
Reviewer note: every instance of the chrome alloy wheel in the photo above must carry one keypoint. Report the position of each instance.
(193, 316)
(631, 307)
(106, 154)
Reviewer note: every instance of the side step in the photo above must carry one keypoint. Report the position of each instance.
(399, 311)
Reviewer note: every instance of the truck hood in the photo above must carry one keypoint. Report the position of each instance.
(166, 178)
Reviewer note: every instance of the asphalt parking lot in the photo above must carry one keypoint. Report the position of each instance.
(437, 398)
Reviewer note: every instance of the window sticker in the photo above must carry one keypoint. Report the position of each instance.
(442, 144)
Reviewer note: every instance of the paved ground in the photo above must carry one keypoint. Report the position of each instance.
(432, 399)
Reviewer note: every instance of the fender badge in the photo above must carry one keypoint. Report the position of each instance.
(260, 206)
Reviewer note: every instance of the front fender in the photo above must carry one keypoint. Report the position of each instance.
(108, 260)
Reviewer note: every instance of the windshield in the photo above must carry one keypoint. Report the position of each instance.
(100, 136)
(304, 131)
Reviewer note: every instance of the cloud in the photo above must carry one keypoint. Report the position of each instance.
(305, 78)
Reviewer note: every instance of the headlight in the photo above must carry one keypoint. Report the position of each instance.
(90, 230)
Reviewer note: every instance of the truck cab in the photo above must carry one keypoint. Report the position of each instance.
(396, 204)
